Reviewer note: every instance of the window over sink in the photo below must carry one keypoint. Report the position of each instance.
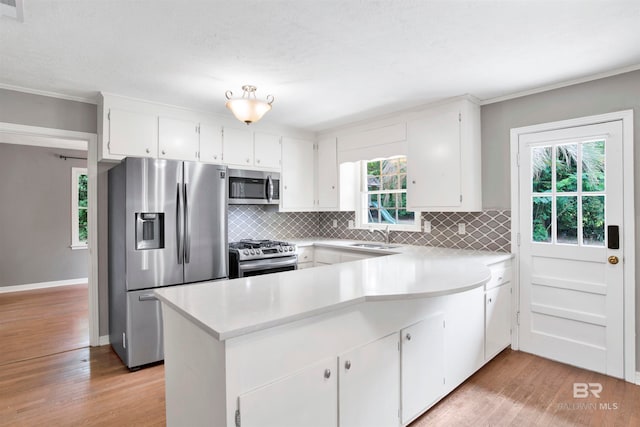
(384, 196)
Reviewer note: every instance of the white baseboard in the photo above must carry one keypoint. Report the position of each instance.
(43, 285)
(103, 340)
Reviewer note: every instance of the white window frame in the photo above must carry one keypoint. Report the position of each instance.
(362, 207)
(75, 224)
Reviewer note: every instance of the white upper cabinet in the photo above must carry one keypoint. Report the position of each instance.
(327, 176)
(297, 179)
(237, 146)
(130, 133)
(267, 150)
(178, 139)
(443, 158)
(210, 143)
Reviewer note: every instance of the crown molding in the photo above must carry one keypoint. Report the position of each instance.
(561, 84)
(49, 94)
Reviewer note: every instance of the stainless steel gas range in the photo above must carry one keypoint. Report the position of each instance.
(255, 257)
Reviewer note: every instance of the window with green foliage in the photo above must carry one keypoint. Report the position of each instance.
(385, 195)
(79, 207)
(568, 193)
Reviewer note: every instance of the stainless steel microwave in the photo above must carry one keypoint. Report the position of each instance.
(247, 187)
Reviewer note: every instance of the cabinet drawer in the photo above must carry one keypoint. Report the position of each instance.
(305, 254)
(500, 274)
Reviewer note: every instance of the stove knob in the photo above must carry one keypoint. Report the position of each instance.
(252, 252)
(280, 249)
(246, 252)
(290, 248)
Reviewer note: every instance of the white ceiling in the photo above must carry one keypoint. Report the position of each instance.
(326, 62)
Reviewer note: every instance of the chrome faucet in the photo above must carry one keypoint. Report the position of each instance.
(384, 232)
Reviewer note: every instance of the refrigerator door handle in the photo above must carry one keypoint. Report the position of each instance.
(147, 297)
(179, 224)
(187, 228)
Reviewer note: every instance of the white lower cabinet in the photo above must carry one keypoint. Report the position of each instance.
(369, 387)
(305, 398)
(305, 257)
(422, 366)
(497, 320)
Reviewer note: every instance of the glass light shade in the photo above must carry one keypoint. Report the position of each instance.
(248, 110)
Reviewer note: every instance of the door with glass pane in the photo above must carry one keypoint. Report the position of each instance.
(571, 270)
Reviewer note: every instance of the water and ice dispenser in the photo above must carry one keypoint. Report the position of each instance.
(149, 230)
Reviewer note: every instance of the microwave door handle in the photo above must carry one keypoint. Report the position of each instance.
(187, 228)
(269, 189)
(179, 223)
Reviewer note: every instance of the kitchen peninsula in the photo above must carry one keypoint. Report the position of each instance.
(370, 342)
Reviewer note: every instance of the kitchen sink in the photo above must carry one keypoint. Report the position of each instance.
(373, 245)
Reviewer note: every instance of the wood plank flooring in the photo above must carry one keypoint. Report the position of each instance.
(44, 321)
(91, 387)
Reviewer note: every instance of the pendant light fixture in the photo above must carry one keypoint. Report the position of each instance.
(248, 109)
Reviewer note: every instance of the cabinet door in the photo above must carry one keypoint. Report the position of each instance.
(497, 320)
(237, 146)
(327, 174)
(433, 160)
(422, 365)
(210, 143)
(297, 175)
(306, 398)
(267, 149)
(463, 335)
(178, 139)
(369, 386)
(132, 134)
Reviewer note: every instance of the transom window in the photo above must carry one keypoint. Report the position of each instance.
(384, 195)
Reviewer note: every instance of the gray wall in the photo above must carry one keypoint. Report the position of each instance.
(43, 111)
(621, 92)
(35, 186)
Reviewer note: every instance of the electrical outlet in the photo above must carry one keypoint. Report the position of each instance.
(350, 223)
(427, 226)
(335, 223)
(462, 228)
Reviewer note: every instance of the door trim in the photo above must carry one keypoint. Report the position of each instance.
(628, 224)
(60, 138)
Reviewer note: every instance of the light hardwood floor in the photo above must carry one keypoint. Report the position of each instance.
(90, 386)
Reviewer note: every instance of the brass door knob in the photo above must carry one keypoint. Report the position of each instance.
(613, 260)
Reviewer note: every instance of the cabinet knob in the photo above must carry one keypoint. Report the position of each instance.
(164, 152)
(285, 187)
(327, 373)
(408, 336)
(347, 364)
(413, 182)
(215, 156)
(248, 160)
(490, 299)
(258, 161)
(333, 187)
(147, 150)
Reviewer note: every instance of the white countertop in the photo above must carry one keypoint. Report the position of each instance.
(231, 308)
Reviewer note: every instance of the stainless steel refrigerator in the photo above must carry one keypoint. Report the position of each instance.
(167, 227)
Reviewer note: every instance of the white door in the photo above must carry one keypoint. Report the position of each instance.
(571, 288)
(132, 133)
(210, 143)
(296, 186)
(327, 173)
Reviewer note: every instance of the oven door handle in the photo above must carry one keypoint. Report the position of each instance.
(262, 265)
